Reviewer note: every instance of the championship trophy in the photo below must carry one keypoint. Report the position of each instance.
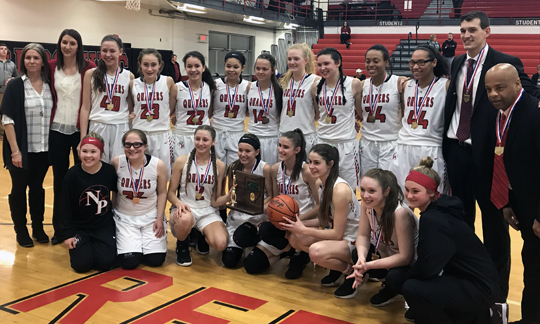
(247, 194)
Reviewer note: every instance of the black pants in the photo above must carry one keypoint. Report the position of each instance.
(530, 255)
(60, 147)
(95, 249)
(31, 178)
(446, 299)
(345, 38)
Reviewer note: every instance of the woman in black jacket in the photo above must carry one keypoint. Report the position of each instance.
(453, 278)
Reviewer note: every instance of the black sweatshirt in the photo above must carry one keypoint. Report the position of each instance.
(449, 48)
(447, 243)
(86, 199)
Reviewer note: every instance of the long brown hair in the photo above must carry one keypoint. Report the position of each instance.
(212, 155)
(99, 73)
(328, 153)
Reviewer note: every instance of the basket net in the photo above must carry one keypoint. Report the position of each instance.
(133, 5)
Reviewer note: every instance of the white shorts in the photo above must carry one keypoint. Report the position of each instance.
(136, 234)
(236, 218)
(409, 156)
(160, 145)
(349, 160)
(376, 154)
(202, 217)
(112, 138)
(183, 144)
(227, 146)
(269, 149)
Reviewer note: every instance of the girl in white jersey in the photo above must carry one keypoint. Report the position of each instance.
(290, 177)
(154, 97)
(229, 107)
(193, 102)
(299, 111)
(338, 98)
(387, 238)
(243, 228)
(381, 111)
(141, 229)
(106, 101)
(195, 193)
(329, 238)
(423, 122)
(264, 107)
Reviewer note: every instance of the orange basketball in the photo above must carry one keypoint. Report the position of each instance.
(281, 207)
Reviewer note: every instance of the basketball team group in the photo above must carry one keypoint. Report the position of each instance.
(469, 130)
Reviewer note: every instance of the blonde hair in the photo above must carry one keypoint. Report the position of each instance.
(310, 65)
(432, 37)
(425, 167)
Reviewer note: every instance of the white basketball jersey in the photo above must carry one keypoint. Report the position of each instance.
(339, 125)
(206, 194)
(187, 119)
(299, 190)
(155, 119)
(299, 113)
(147, 192)
(262, 124)
(387, 122)
(119, 114)
(429, 131)
(353, 215)
(224, 117)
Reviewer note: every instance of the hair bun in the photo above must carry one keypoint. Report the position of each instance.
(299, 131)
(427, 162)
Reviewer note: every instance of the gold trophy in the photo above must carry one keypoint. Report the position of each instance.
(247, 193)
(233, 190)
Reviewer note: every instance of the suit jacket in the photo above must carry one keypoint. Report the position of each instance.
(483, 110)
(521, 157)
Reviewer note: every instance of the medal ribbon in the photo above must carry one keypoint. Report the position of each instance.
(372, 102)
(475, 69)
(285, 187)
(417, 108)
(233, 100)
(376, 237)
(191, 95)
(136, 186)
(500, 133)
(149, 97)
(205, 173)
(328, 106)
(266, 107)
(291, 89)
(254, 165)
(110, 90)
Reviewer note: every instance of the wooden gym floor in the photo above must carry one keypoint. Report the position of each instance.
(37, 286)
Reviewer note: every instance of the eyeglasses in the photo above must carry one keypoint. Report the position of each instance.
(419, 62)
(135, 145)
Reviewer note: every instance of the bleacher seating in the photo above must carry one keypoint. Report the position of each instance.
(418, 8)
(504, 8)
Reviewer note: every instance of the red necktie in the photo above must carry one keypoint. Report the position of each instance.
(500, 183)
(464, 127)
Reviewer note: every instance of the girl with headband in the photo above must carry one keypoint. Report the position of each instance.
(264, 107)
(339, 100)
(88, 191)
(451, 258)
(387, 237)
(105, 98)
(243, 228)
(141, 225)
(424, 98)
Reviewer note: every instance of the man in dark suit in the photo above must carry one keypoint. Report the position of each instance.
(513, 149)
(172, 69)
(466, 115)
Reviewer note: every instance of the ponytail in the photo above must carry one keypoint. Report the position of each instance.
(99, 73)
(297, 138)
(206, 75)
(278, 91)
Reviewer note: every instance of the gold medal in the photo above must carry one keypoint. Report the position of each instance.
(499, 150)
(230, 115)
(198, 196)
(414, 125)
(149, 118)
(371, 119)
(328, 120)
(466, 97)
(136, 200)
(252, 196)
(374, 256)
(195, 120)
(265, 120)
(110, 106)
(290, 113)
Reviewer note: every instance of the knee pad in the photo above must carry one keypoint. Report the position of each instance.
(256, 261)
(130, 260)
(231, 256)
(154, 259)
(246, 235)
(273, 236)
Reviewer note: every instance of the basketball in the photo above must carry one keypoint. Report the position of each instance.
(282, 207)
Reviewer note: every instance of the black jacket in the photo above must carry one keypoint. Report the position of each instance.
(446, 243)
(449, 48)
(168, 70)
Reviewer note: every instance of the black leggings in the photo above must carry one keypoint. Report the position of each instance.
(345, 38)
(95, 249)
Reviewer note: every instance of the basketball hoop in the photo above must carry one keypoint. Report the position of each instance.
(133, 5)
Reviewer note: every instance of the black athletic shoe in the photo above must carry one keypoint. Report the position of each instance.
(183, 256)
(40, 236)
(409, 316)
(202, 245)
(192, 237)
(296, 265)
(383, 297)
(331, 279)
(346, 290)
(56, 240)
(23, 238)
(288, 254)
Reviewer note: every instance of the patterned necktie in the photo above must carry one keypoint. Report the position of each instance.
(464, 128)
(500, 183)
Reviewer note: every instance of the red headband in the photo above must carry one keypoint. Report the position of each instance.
(93, 141)
(424, 181)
